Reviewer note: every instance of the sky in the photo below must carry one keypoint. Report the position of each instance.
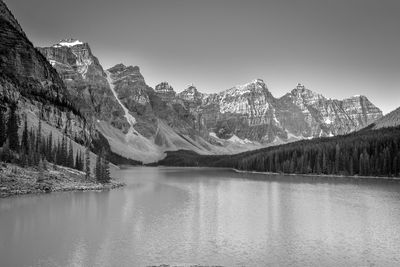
(338, 48)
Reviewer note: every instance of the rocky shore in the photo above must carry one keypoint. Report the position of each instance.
(15, 180)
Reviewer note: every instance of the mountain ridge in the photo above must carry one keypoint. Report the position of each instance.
(239, 118)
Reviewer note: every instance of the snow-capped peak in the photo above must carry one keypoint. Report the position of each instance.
(68, 43)
(258, 80)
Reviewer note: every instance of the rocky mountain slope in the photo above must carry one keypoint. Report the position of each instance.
(142, 123)
(139, 122)
(250, 112)
(28, 80)
(390, 120)
(86, 81)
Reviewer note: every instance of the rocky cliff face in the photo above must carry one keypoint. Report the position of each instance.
(250, 112)
(329, 117)
(86, 81)
(165, 91)
(27, 79)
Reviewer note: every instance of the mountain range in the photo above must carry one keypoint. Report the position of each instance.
(142, 123)
(138, 122)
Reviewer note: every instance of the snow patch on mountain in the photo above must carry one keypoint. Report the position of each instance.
(236, 139)
(68, 43)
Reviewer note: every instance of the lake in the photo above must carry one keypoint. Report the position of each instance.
(183, 216)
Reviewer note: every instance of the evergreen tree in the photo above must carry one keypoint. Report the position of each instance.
(24, 141)
(64, 152)
(12, 128)
(70, 155)
(87, 162)
(3, 135)
(337, 159)
(49, 151)
(105, 169)
(99, 168)
(39, 136)
(77, 161)
(81, 161)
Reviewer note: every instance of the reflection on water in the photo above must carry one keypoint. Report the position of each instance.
(208, 217)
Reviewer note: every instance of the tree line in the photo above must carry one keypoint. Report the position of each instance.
(34, 148)
(365, 153)
(375, 153)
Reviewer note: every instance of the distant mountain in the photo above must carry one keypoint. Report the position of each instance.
(251, 112)
(390, 120)
(86, 81)
(142, 123)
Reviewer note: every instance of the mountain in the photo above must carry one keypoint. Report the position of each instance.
(139, 122)
(28, 80)
(67, 86)
(390, 120)
(165, 91)
(142, 123)
(85, 80)
(331, 117)
(251, 112)
(158, 120)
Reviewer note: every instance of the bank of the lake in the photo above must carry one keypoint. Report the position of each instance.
(353, 177)
(16, 180)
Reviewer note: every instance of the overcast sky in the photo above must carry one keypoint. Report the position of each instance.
(338, 48)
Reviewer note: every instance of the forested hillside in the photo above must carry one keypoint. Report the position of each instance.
(366, 153)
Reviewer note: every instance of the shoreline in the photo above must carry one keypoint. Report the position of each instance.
(354, 177)
(18, 181)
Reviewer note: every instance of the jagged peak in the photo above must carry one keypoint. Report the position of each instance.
(6, 14)
(190, 93)
(133, 68)
(164, 87)
(357, 97)
(68, 42)
(301, 90)
(256, 84)
(118, 66)
(191, 88)
(123, 71)
(121, 67)
(258, 80)
(191, 85)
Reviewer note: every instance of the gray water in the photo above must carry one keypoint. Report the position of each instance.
(208, 217)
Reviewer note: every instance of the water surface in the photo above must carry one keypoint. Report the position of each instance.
(207, 217)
